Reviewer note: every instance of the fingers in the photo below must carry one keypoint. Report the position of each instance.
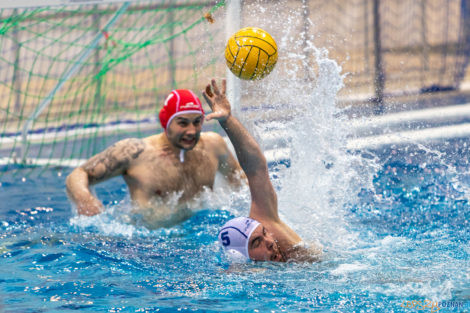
(209, 91)
(215, 87)
(208, 100)
(214, 115)
(211, 116)
(212, 89)
(207, 94)
(208, 117)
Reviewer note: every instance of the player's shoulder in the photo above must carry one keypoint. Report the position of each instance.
(214, 142)
(212, 137)
(131, 141)
(128, 140)
(135, 143)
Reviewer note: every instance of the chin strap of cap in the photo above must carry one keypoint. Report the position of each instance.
(182, 156)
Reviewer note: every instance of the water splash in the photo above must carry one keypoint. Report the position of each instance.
(123, 219)
(297, 102)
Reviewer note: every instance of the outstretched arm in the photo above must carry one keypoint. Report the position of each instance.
(250, 156)
(107, 164)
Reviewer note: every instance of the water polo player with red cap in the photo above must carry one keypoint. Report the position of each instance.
(164, 171)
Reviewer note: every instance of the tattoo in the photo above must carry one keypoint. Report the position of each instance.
(116, 157)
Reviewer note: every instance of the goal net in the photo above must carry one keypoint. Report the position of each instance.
(75, 76)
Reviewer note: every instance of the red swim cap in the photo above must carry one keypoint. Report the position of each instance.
(180, 101)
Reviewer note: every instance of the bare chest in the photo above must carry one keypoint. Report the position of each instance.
(159, 174)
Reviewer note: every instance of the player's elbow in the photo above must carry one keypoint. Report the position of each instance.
(69, 182)
(76, 179)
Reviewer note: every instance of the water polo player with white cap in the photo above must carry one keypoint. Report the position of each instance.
(262, 236)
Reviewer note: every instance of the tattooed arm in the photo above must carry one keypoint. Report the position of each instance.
(111, 162)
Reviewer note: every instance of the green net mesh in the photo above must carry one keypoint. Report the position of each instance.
(74, 79)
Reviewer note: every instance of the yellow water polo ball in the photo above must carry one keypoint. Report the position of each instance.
(251, 53)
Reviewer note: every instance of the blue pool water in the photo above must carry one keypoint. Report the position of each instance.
(394, 222)
(404, 238)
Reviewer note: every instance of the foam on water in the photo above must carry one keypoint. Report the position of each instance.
(325, 181)
(298, 99)
(122, 219)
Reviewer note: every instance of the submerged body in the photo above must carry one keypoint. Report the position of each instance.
(163, 172)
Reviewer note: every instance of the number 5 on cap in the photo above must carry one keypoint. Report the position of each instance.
(225, 238)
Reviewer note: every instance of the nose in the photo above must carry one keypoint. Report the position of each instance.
(191, 130)
(270, 244)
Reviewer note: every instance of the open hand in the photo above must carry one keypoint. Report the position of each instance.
(217, 101)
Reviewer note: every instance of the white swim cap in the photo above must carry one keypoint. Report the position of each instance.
(234, 235)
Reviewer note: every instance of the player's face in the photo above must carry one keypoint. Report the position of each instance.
(184, 130)
(263, 247)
